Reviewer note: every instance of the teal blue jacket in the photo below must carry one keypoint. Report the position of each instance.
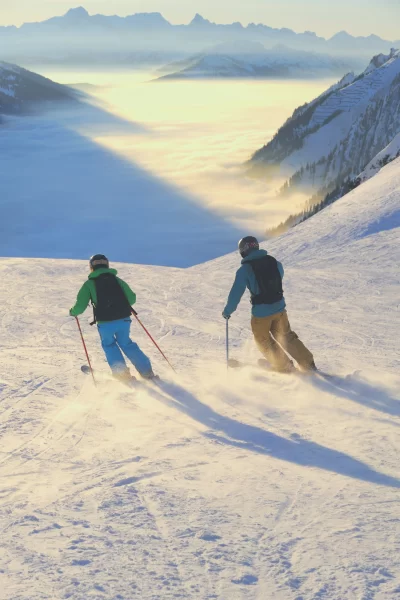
(245, 278)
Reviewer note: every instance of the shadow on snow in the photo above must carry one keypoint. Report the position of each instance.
(363, 393)
(299, 451)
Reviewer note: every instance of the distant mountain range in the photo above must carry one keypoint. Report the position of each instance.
(21, 90)
(148, 37)
(251, 59)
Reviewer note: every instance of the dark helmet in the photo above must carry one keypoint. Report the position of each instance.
(247, 245)
(99, 261)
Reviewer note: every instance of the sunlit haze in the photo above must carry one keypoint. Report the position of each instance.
(358, 17)
(197, 138)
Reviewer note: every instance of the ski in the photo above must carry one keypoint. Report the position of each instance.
(103, 376)
(263, 364)
(238, 364)
(130, 383)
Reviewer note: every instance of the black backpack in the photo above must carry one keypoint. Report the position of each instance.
(269, 280)
(112, 304)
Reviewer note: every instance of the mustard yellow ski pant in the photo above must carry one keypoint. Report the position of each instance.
(273, 335)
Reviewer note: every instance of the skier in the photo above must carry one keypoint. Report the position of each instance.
(112, 300)
(262, 275)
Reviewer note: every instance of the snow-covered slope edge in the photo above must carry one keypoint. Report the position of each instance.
(314, 205)
(335, 136)
(21, 89)
(391, 152)
(245, 485)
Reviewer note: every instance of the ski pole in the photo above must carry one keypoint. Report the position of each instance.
(227, 344)
(86, 352)
(152, 339)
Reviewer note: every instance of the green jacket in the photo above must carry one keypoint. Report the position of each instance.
(88, 292)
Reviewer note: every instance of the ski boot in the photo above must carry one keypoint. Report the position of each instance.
(310, 369)
(150, 376)
(124, 377)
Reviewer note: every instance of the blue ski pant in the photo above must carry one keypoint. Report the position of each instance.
(115, 336)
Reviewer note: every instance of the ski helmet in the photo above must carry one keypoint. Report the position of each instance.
(99, 261)
(247, 245)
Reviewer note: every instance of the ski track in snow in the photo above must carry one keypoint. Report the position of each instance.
(248, 485)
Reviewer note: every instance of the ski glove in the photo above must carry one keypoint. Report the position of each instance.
(227, 317)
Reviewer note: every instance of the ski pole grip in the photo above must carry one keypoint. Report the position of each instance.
(134, 312)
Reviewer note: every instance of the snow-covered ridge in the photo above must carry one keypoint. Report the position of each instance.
(335, 136)
(353, 92)
(240, 59)
(379, 60)
(21, 89)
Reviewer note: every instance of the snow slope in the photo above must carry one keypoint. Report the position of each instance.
(239, 485)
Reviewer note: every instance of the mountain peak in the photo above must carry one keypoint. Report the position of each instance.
(77, 13)
(374, 38)
(199, 20)
(342, 35)
(237, 47)
(151, 18)
(380, 59)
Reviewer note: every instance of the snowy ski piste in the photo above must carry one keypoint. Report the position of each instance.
(212, 485)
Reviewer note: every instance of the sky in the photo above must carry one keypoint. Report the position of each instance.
(325, 17)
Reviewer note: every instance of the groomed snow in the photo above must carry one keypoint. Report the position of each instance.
(239, 485)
